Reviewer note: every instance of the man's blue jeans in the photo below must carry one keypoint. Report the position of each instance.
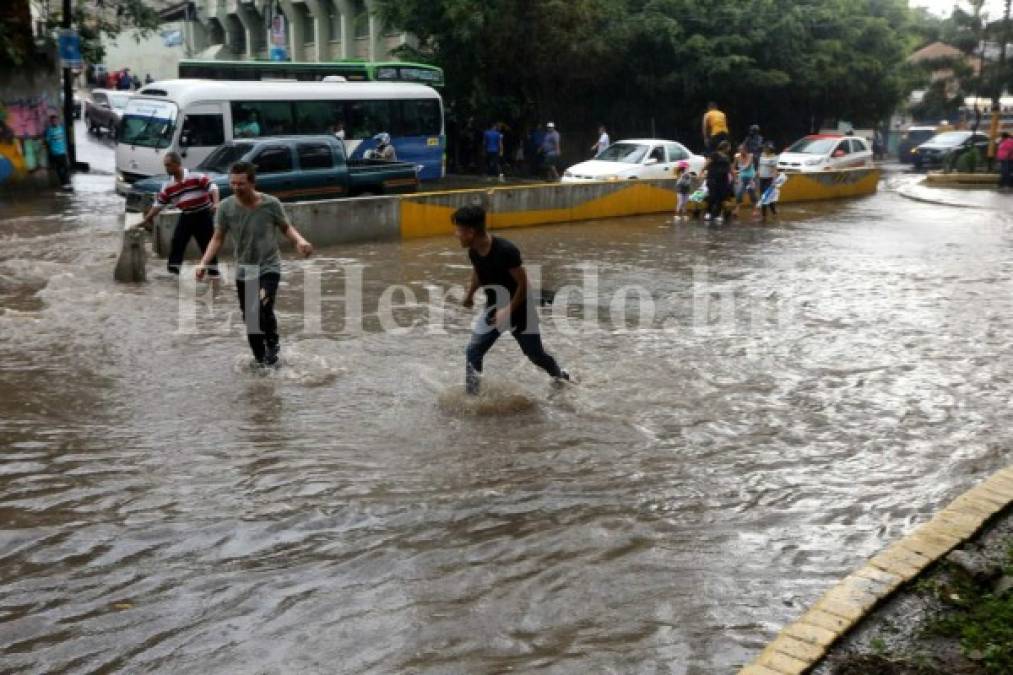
(484, 336)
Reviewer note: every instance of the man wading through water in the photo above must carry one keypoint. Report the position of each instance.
(254, 219)
(498, 269)
(197, 197)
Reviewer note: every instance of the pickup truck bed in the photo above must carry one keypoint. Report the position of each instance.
(294, 168)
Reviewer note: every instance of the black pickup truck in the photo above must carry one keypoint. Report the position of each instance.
(294, 168)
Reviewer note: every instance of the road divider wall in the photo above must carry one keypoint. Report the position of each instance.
(342, 221)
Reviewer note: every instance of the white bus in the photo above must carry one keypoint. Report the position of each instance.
(193, 117)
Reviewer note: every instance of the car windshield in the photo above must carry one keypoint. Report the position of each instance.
(627, 153)
(221, 159)
(951, 138)
(119, 102)
(814, 146)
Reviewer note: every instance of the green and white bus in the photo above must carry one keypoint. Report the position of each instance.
(306, 71)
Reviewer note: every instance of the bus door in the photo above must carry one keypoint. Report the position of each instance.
(201, 131)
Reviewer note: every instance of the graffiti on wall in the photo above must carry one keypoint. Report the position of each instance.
(23, 124)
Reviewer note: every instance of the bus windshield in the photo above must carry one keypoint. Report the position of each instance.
(148, 123)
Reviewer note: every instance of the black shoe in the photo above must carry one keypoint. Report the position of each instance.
(563, 378)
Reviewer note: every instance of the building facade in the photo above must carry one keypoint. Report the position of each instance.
(296, 30)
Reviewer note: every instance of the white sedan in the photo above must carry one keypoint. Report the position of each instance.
(826, 152)
(636, 158)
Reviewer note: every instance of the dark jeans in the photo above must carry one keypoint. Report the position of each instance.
(492, 163)
(199, 225)
(1005, 173)
(718, 191)
(61, 164)
(484, 336)
(714, 141)
(256, 300)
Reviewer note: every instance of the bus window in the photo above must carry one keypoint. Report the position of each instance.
(261, 118)
(420, 118)
(202, 130)
(318, 117)
(365, 119)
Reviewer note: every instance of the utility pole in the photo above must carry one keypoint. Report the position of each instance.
(1002, 77)
(68, 96)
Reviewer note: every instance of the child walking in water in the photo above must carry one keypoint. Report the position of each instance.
(770, 182)
(745, 175)
(683, 187)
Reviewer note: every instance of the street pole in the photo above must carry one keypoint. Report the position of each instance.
(68, 97)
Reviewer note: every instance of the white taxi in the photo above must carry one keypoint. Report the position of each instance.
(826, 152)
(635, 158)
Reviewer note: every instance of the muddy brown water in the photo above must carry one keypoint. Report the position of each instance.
(165, 508)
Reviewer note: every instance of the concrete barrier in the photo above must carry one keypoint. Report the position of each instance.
(324, 223)
(342, 221)
(427, 215)
(986, 180)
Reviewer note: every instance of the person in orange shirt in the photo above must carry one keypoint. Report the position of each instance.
(715, 127)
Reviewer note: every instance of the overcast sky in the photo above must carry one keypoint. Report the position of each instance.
(943, 7)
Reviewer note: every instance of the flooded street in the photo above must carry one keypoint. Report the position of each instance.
(805, 393)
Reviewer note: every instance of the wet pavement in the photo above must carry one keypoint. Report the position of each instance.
(805, 393)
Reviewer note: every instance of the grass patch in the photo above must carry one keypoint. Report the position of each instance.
(979, 619)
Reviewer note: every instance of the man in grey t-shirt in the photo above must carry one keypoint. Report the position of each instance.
(254, 220)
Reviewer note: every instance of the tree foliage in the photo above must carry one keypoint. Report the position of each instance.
(646, 66)
(93, 19)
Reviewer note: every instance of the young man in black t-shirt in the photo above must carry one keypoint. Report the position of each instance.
(498, 269)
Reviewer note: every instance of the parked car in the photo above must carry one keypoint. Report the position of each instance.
(105, 109)
(826, 152)
(294, 168)
(635, 158)
(937, 150)
(911, 139)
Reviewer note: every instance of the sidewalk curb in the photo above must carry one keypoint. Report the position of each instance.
(939, 202)
(801, 645)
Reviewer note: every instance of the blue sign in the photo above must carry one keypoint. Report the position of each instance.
(70, 49)
(172, 38)
(279, 54)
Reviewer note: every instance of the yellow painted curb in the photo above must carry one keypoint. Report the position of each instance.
(801, 645)
(990, 179)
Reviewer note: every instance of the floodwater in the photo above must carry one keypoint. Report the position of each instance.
(805, 393)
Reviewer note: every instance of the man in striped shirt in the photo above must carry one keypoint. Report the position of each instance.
(197, 197)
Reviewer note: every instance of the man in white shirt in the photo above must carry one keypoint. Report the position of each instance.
(603, 141)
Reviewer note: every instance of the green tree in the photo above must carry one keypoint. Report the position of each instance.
(92, 19)
(650, 66)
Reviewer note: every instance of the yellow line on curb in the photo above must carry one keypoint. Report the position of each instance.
(802, 644)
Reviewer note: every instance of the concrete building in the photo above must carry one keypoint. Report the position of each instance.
(298, 30)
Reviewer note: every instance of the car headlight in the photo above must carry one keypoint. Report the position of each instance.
(610, 177)
(914, 151)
